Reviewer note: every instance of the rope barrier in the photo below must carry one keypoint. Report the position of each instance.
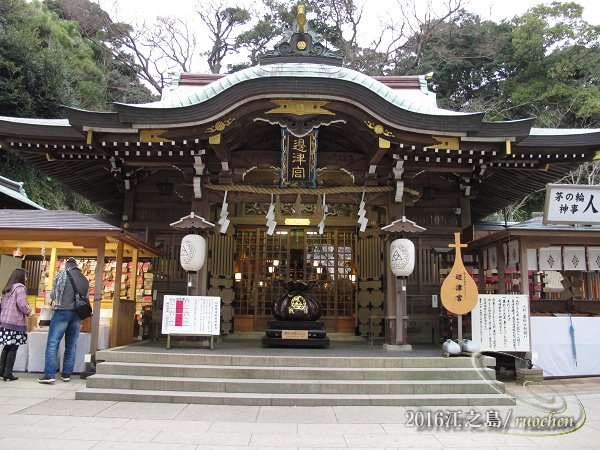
(298, 190)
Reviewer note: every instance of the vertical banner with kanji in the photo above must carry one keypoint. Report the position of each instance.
(298, 159)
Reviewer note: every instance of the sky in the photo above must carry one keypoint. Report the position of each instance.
(487, 9)
(138, 11)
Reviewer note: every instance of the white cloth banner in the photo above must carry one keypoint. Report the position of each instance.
(532, 262)
(492, 258)
(553, 350)
(513, 256)
(550, 258)
(574, 258)
(593, 258)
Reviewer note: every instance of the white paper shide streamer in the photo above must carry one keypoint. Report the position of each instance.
(271, 224)
(325, 211)
(362, 212)
(223, 220)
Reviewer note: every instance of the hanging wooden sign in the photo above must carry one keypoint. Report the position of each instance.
(459, 291)
(298, 159)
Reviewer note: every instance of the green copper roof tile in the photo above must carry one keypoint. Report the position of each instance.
(300, 70)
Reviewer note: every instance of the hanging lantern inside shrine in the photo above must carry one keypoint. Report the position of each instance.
(193, 252)
(402, 257)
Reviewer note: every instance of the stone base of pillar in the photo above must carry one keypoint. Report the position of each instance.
(397, 348)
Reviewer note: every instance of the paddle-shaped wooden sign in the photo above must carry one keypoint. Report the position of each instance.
(459, 291)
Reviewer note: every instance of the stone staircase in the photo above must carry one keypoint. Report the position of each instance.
(294, 380)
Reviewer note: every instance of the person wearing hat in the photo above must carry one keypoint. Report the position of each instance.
(65, 321)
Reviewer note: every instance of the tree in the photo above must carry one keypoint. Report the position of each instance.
(45, 62)
(221, 22)
(554, 68)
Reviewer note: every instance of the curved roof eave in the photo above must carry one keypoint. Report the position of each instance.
(43, 128)
(294, 80)
(562, 137)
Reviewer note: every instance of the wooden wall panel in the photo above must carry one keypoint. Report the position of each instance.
(220, 261)
(370, 297)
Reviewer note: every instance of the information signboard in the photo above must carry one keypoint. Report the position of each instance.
(501, 323)
(191, 315)
(572, 204)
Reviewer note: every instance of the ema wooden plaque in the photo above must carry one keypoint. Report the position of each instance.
(459, 291)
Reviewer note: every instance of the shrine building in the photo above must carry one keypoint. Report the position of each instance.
(311, 140)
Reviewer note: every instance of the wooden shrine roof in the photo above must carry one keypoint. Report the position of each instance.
(77, 233)
(13, 196)
(368, 123)
(536, 228)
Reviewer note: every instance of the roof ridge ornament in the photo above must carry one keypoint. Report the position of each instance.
(300, 44)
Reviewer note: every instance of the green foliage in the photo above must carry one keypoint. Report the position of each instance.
(45, 63)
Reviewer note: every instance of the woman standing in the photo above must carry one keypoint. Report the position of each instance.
(13, 321)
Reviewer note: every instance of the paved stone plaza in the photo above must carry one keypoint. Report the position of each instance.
(48, 416)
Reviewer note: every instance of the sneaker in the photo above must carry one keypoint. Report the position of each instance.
(46, 380)
(66, 377)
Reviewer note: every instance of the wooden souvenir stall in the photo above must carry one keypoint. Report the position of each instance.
(45, 240)
(558, 267)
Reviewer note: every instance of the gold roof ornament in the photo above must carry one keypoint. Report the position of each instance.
(301, 18)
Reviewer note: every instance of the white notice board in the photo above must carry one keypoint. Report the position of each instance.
(501, 323)
(190, 314)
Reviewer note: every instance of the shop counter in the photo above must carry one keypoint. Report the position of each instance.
(37, 351)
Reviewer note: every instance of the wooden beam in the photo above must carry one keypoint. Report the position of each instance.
(377, 156)
(222, 151)
(51, 269)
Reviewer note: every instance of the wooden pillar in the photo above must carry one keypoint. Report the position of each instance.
(500, 267)
(390, 297)
(117, 295)
(465, 211)
(97, 297)
(481, 268)
(524, 264)
(51, 269)
(401, 309)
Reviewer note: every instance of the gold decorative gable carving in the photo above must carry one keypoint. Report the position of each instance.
(378, 128)
(300, 107)
(220, 125)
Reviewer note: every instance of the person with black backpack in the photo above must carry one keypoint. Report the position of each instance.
(65, 320)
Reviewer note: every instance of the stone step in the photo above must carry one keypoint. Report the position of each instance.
(252, 399)
(293, 361)
(321, 373)
(275, 386)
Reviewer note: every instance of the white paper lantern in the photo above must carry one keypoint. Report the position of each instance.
(402, 257)
(193, 252)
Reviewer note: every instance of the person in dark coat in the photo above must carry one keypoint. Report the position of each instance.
(13, 321)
